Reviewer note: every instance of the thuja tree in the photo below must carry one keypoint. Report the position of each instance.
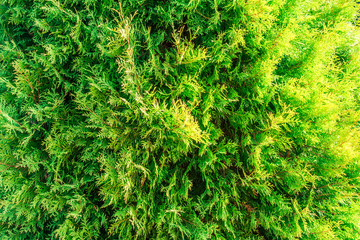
(176, 119)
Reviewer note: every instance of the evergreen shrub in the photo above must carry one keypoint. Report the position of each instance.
(179, 119)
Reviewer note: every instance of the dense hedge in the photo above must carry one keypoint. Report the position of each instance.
(179, 119)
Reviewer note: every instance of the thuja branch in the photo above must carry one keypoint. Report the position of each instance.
(97, 116)
(130, 49)
(338, 183)
(8, 117)
(8, 165)
(32, 88)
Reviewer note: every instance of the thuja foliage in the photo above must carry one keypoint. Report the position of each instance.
(179, 119)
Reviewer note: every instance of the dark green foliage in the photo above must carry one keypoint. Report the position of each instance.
(174, 119)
